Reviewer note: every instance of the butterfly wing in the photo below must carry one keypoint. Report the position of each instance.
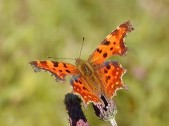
(111, 75)
(81, 88)
(113, 44)
(58, 69)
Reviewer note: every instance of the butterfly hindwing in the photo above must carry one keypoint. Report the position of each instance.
(81, 88)
(111, 76)
(113, 44)
(58, 69)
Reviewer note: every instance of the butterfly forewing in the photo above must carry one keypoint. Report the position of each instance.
(112, 45)
(58, 69)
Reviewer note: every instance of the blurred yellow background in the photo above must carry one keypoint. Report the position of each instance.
(35, 29)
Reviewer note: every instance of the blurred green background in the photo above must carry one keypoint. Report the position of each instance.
(35, 29)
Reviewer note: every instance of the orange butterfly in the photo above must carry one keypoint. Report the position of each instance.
(94, 79)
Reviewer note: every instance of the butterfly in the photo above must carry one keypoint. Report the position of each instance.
(95, 78)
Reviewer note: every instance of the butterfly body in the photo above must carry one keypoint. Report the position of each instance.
(95, 79)
(88, 72)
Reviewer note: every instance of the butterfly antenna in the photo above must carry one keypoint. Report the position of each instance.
(81, 46)
(60, 58)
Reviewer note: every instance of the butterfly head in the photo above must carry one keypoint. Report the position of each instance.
(79, 61)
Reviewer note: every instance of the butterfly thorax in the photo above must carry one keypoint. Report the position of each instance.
(84, 67)
(86, 70)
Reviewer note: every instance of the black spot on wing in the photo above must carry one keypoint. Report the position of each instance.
(105, 71)
(108, 77)
(99, 51)
(67, 71)
(55, 64)
(105, 42)
(108, 67)
(64, 65)
(85, 88)
(105, 55)
(80, 82)
(111, 48)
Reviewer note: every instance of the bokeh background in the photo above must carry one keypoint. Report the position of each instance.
(35, 29)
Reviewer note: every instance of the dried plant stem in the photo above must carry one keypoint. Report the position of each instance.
(113, 122)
